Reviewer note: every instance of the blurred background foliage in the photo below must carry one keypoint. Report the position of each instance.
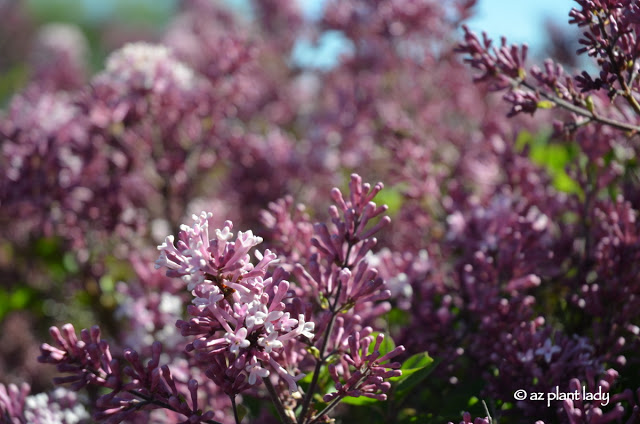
(106, 25)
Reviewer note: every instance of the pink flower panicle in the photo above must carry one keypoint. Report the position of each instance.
(239, 315)
(134, 386)
(339, 268)
(609, 36)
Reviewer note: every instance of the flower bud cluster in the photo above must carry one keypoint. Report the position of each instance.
(133, 386)
(362, 371)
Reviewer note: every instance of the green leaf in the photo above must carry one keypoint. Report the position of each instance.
(589, 103)
(392, 197)
(315, 352)
(414, 371)
(522, 74)
(398, 317)
(413, 364)
(472, 401)
(360, 401)
(553, 157)
(565, 183)
(5, 303)
(70, 263)
(48, 248)
(107, 284)
(242, 411)
(324, 302)
(524, 138)
(21, 297)
(11, 81)
(16, 299)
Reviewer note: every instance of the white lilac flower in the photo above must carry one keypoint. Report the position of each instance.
(255, 371)
(57, 407)
(238, 340)
(148, 66)
(270, 342)
(240, 315)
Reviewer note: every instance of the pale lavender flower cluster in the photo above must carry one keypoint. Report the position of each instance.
(239, 313)
(58, 407)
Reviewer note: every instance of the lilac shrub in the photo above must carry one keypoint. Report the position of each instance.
(501, 254)
(600, 123)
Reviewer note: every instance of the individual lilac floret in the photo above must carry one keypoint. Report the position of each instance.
(363, 373)
(239, 315)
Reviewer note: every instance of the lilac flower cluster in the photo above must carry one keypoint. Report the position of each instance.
(370, 372)
(236, 320)
(134, 387)
(61, 406)
(609, 37)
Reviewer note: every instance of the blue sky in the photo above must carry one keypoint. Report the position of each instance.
(521, 21)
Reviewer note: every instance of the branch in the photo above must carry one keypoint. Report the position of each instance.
(316, 371)
(164, 405)
(578, 110)
(277, 402)
(235, 409)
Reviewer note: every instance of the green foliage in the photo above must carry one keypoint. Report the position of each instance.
(16, 299)
(150, 12)
(144, 11)
(415, 370)
(554, 157)
(58, 10)
(397, 319)
(545, 104)
(11, 81)
(392, 197)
